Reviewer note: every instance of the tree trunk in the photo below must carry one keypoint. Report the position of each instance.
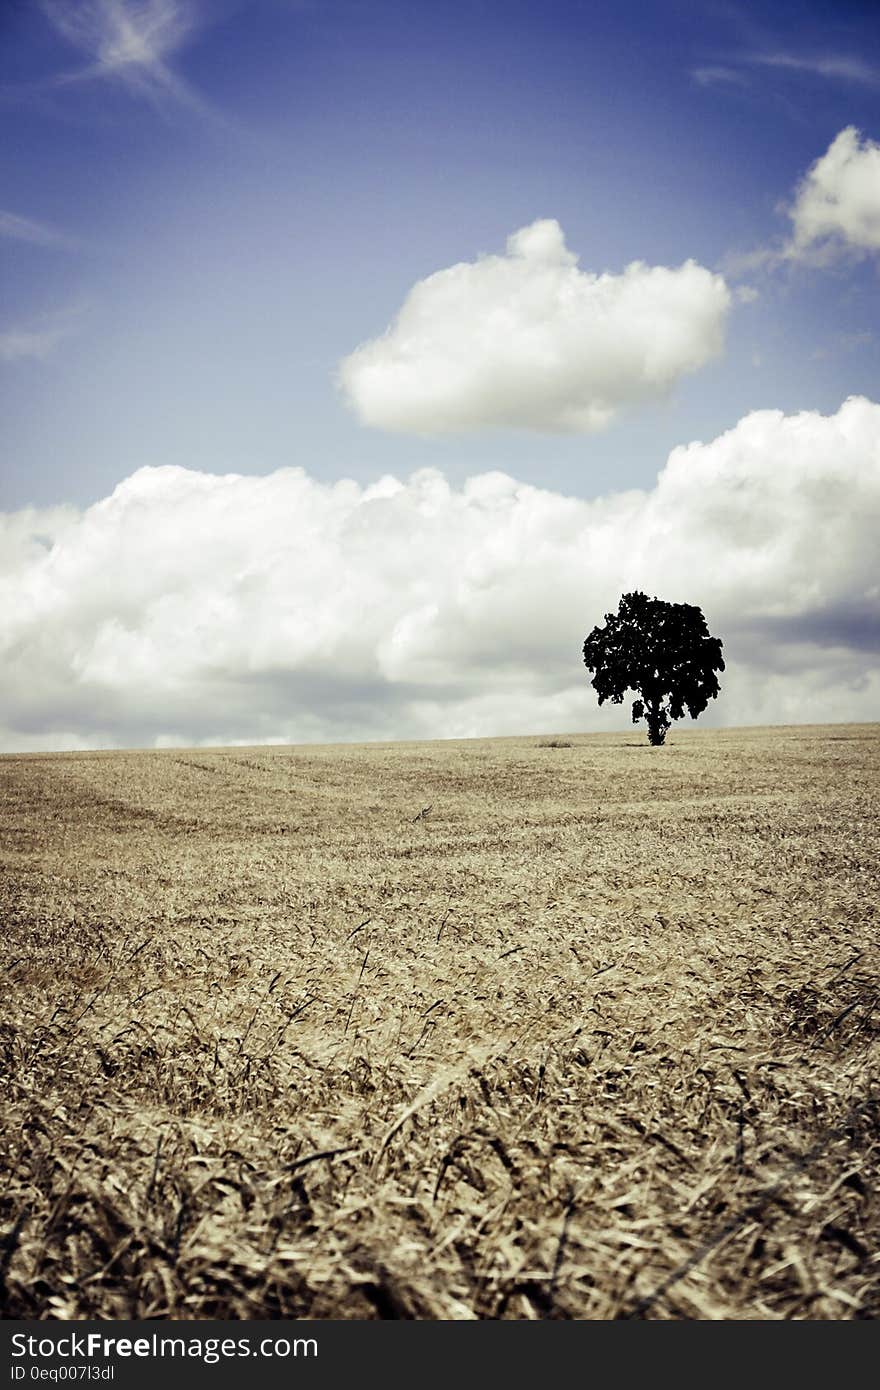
(657, 722)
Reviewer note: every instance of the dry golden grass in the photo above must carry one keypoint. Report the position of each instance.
(516, 1028)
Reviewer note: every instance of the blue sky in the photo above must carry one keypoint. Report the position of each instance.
(369, 239)
(220, 248)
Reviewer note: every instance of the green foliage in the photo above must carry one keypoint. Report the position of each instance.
(661, 651)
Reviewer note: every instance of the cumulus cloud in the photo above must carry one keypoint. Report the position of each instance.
(189, 607)
(837, 205)
(529, 341)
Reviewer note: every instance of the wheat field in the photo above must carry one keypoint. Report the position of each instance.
(540, 1027)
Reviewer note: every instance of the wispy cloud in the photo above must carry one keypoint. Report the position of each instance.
(129, 43)
(843, 67)
(17, 228)
(717, 75)
(841, 344)
(739, 69)
(37, 338)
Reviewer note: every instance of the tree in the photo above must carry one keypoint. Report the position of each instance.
(661, 651)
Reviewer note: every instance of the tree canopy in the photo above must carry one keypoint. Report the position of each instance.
(661, 651)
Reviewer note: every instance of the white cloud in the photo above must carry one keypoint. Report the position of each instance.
(835, 209)
(528, 341)
(193, 607)
(837, 205)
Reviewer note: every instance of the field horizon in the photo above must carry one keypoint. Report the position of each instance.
(634, 735)
(539, 1026)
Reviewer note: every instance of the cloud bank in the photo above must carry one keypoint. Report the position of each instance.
(837, 205)
(189, 607)
(528, 341)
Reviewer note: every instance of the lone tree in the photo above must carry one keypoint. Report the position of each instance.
(661, 651)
